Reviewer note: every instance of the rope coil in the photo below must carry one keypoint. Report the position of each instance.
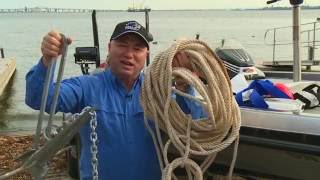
(203, 137)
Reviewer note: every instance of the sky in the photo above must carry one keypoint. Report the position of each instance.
(153, 4)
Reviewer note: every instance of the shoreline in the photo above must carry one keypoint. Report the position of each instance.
(12, 146)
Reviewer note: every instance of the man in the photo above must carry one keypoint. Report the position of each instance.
(125, 148)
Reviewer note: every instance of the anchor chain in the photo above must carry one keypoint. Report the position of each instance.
(94, 147)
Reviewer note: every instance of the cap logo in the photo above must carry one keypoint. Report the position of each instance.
(132, 26)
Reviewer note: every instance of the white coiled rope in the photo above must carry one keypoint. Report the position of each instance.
(204, 137)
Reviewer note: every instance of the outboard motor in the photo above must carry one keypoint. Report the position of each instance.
(237, 60)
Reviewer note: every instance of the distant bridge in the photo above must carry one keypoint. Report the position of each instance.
(51, 10)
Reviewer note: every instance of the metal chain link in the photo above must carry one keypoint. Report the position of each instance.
(93, 139)
(94, 147)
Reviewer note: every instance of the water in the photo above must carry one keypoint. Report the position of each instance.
(21, 35)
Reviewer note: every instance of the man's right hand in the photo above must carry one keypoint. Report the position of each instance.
(51, 46)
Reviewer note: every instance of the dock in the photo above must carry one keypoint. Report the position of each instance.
(305, 75)
(286, 71)
(7, 69)
(290, 63)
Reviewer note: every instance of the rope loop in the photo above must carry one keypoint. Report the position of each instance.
(202, 137)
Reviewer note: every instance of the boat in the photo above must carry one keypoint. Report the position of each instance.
(237, 60)
(276, 143)
(7, 69)
(137, 7)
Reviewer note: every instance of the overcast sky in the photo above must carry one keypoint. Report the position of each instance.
(153, 4)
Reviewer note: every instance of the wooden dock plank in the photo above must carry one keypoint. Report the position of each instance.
(7, 68)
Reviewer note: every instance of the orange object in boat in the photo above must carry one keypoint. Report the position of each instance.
(282, 87)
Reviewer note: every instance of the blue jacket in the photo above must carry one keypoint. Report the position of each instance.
(125, 148)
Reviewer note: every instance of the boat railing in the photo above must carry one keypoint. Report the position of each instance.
(309, 38)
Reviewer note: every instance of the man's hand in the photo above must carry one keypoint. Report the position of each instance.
(181, 59)
(51, 46)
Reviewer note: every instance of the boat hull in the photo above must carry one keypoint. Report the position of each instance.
(262, 161)
(276, 145)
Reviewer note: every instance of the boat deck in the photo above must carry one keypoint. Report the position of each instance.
(306, 121)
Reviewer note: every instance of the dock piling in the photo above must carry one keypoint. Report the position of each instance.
(2, 53)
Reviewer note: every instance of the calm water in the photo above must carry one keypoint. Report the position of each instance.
(21, 35)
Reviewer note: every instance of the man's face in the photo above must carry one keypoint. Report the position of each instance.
(127, 56)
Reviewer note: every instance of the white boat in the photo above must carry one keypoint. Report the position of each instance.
(276, 143)
(280, 142)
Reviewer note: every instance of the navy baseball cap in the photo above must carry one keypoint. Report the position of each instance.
(131, 27)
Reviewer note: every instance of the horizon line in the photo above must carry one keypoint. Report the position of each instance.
(186, 9)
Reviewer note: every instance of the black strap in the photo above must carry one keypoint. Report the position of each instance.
(306, 101)
(310, 89)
